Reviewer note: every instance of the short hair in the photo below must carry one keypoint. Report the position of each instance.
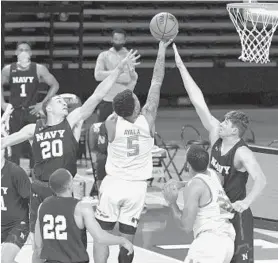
(123, 103)
(59, 180)
(119, 31)
(23, 42)
(239, 119)
(198, 158)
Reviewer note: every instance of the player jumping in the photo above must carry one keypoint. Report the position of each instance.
(55, 143)
(232, 158)
(129, 162)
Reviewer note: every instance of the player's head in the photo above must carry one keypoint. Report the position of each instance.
(126, 104)
(23, 53)
(234, 124)
(197, 159)
(118, 38)
(55, 106)
(61, 182)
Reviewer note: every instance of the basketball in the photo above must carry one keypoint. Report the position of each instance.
(164, 26)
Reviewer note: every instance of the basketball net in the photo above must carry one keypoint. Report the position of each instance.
(255, 24)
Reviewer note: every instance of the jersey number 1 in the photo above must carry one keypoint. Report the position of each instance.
(23, 91)
(54, 227)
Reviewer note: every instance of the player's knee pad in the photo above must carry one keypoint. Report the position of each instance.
(124, 257)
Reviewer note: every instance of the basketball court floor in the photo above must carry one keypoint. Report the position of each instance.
(158, 238)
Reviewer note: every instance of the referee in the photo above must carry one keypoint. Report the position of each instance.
(106, 62)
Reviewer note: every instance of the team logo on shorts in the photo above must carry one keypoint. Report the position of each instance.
(135, 220)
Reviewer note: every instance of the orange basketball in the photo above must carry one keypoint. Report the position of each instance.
(164, 26)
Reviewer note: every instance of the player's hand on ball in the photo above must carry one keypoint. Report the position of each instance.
(175, 183)
(170, 193)
(128, 246)
(163, 44)
(178, 59)
(240, 206)
(130, 59)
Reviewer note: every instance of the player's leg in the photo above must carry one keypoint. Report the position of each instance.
(16, 125)
(107, 212)
(14, 241)
(211, 247)
(244, 242)
(130, 213)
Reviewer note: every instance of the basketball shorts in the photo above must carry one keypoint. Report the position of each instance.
(120, 201)
(211, 247)
(244, 242)
(16, 234)
(39, 191)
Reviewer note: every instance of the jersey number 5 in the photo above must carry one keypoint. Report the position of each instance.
(54, 228)
(132, 144)
(52, 149)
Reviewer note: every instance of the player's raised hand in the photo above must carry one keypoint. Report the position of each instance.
(128, 246)
(164, 44)
(170, 193)
(130, 59)
(178, 59)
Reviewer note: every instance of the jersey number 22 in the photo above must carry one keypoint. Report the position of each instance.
(54, 227)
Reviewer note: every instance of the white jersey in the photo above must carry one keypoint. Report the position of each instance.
(216, 214)
(130, 153)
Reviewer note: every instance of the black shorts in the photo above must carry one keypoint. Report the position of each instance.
(244, 242)
(38, 194)
(16, 234)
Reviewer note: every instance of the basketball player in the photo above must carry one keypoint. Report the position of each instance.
(233, 160)
(55, 143)
(15, 196)
(129, 161)
(62, 223)
(206, 211)
(108, 61)
(23, 78)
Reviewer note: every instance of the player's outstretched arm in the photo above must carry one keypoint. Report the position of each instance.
(84, 112)
(247, 159)
(26, 133)
(101, 74)
(151, 106)
(196, 96)
(5, 74)
(98, 233)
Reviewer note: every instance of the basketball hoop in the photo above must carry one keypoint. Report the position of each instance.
(255, 24)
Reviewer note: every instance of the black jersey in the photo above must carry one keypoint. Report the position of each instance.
(234, 180)
(15, 192)
(54, 147)
(62, 240)
(23, 85)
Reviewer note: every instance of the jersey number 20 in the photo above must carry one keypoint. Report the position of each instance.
(54, 227)
(52, 149)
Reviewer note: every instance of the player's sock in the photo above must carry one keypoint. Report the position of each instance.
(123, 257)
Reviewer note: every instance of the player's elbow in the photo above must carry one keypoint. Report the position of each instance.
(98, 75)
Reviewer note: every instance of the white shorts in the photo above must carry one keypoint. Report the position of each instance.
(211, 248)
(121, 200)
